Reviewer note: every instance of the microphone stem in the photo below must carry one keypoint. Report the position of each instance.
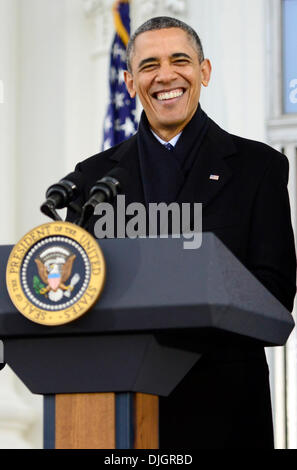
(49, 209)
(88, 208)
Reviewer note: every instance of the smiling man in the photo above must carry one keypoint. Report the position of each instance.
(180, 155)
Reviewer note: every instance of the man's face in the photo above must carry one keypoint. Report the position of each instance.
(167, 77)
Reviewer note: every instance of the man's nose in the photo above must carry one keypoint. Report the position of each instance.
(166, 73)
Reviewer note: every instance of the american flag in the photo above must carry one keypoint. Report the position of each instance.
(120, 119)
(214, 177)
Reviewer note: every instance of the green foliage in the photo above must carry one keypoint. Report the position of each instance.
(37, 284)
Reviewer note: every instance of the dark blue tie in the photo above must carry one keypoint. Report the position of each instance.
(169, 147)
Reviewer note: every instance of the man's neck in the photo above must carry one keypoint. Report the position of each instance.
(166, 134)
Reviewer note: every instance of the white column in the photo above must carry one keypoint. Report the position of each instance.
(18, 418)
(276, 361)
(8, 117)
(19, 415)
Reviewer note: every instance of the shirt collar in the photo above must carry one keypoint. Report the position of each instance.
(173, 141)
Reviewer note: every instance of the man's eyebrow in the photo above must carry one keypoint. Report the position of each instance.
(145, 61)
(180, 54)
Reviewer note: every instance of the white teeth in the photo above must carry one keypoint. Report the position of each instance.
(169, 95)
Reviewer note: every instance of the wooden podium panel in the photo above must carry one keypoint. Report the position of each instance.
(85, 421)
(88, 421)
(146, 415)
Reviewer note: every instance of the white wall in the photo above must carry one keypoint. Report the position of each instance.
(60, 111)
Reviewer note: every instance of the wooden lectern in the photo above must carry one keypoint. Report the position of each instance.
(161, 308)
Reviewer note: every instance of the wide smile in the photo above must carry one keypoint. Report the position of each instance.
(169, 96)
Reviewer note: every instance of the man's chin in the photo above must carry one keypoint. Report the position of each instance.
(172, 123)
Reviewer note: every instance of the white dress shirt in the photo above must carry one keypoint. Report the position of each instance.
(173, 141)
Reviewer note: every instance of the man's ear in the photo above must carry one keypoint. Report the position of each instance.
(128, 77)
(206, 72)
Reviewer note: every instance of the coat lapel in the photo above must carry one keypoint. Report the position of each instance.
(199, 187)
(210, 172)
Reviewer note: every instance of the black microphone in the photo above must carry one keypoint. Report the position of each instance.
(61, 194)
(104, 190)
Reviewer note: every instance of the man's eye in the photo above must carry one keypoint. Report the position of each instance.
(181, 61)
(148, 66)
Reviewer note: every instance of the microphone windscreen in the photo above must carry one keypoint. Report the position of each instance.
(77, 178)
(121, 175)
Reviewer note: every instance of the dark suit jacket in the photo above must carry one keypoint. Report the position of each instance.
(228, 398)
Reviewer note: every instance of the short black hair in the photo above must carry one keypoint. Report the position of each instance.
(164, 22)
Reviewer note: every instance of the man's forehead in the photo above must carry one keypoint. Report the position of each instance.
(168, 36)
(157, 42)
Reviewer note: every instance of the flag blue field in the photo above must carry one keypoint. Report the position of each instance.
(120, 120)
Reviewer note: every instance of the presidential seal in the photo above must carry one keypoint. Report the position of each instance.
(55, 273)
